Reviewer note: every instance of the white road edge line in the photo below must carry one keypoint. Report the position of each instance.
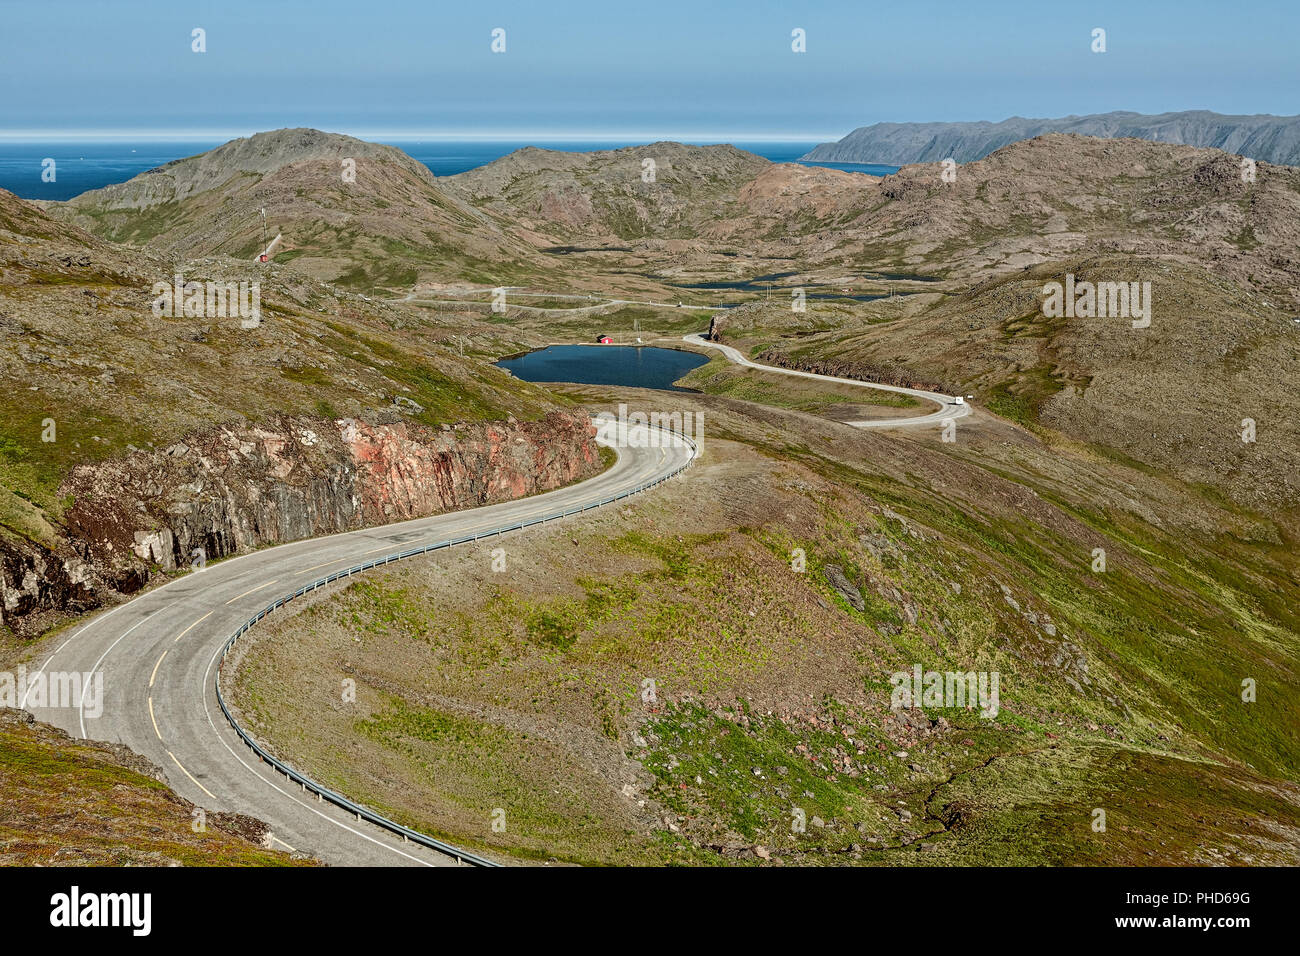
(207, 709)
(315, 567)
(22, 705)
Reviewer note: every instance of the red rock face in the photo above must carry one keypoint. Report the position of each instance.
(403, 473)
(233, 489)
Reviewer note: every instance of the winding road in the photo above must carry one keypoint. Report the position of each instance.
(159, 652)
(949, 405)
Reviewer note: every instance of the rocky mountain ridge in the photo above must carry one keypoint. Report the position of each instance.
(1275, 139)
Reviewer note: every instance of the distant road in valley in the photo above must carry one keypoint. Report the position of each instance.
(949, 407)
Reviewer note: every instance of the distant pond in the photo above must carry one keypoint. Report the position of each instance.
(634, 366)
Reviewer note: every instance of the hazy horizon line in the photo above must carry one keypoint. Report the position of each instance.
(153, 134)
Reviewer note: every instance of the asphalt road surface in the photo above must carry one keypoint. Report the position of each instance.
(158, 653)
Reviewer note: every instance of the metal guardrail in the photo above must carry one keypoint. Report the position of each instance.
(323, 792)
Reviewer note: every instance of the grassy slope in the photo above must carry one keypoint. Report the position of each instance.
(74, 803)
(1180, 620)
(1171, 397)
(81, 347)
(523, 692)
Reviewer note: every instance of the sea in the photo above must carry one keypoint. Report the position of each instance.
(91, 165)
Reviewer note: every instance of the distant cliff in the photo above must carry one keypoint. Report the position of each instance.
(1274, 139)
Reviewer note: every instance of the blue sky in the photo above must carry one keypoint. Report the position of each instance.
(625, 69)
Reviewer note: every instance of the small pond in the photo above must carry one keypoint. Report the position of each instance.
(634, 366)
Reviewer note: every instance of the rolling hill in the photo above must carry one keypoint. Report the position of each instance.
(388, 227)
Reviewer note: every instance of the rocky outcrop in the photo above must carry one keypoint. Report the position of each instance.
(232, 489)
(716, 324)
(843, 586)
(36, 582)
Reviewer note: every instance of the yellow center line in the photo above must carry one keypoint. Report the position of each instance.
(251, 590)
(173, 756)
(192, 627)
(283, 844)
(155, 722)
(191, 776)
(155, 669)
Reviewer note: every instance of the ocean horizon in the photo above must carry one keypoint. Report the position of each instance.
(93, 164)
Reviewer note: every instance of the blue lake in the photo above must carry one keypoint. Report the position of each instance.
(633, 366)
